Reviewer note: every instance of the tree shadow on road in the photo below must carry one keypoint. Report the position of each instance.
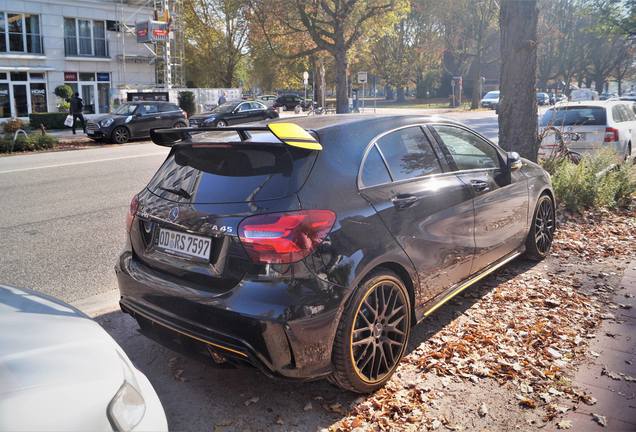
(199, 395)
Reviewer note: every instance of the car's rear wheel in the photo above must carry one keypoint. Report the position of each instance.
(221, 124)
(372, 334)
(120, 135)
(541, 233)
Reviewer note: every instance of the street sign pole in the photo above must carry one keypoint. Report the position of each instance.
(362, 97)
(305, 79)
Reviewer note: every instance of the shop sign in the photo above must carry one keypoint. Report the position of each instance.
(70, 76)
(103, 76)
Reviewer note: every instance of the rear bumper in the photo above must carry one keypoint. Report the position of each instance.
(271, 325)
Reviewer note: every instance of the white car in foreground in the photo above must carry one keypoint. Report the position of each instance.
(591, 126)
(59, 370)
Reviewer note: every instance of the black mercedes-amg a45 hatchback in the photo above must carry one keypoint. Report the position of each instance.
(309, 249)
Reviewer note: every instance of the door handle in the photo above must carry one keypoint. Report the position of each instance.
(402, 201)
(480, 185)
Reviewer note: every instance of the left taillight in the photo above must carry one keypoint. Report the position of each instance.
(611, 134)
(284, 238)
(132, 210)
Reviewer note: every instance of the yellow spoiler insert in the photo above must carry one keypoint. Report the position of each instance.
(293, 135)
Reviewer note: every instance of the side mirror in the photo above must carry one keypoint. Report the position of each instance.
(514, 161)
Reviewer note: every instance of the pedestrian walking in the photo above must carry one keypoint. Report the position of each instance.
(77, 106)
(222, 99)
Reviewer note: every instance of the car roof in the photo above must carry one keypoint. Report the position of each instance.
(590, 103)
(332, 122)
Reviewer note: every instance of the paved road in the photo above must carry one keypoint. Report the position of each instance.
(62, 214)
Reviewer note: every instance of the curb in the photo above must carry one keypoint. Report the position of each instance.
(98, 304)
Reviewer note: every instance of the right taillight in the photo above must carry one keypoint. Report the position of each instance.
(611, 134)
(284, 238)
(132, 211)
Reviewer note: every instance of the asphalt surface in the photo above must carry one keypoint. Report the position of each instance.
(63, 213)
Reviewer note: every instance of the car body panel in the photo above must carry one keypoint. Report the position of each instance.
(55, 358)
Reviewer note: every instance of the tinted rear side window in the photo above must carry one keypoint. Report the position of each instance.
(408, 153)
(240, 173)
(575, 116)
(374, 171)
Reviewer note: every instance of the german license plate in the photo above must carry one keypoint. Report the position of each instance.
(184, 244)
(90, 132)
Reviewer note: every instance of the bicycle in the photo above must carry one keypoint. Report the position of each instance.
(561, 150)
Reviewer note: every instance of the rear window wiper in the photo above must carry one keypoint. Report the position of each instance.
(180, 192)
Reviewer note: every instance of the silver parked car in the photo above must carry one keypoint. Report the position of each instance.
(595, 125)
(59, 370)
(490, 100)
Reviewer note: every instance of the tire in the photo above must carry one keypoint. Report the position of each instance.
(355, 366)
(120, 135)
(221, 124)
(179, 125)
(541, 233)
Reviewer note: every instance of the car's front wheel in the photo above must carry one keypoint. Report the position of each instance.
(541, 233)
(372, 334)
(120, 135)
(221, 124)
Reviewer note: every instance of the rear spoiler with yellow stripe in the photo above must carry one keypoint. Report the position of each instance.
(288, 133)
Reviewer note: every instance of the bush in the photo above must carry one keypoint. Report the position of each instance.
(585, 185)
(33, 141)
(63, 91)
(186, 102)
(64, 106)
(54, 120)
(13, 124)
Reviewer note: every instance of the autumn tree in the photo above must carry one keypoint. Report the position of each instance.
(216, 37)
(334, 26)
(517, 101)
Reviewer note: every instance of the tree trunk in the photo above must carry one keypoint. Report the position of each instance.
(342, 100)
(619, 81)
(517, 102)
(388, 92)
(476, 93)
(400, 94)
(599, 83)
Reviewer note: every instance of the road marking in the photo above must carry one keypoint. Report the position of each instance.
(82, 162)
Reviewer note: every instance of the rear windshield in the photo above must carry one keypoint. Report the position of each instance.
(575, 116)
(240, 173)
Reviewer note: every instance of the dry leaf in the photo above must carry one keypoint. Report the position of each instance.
(564, 424)
(599, 419)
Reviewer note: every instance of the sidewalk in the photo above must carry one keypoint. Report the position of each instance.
(610, 377)
(66, 135)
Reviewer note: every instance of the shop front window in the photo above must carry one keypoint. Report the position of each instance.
(5, 102)
(38, 97)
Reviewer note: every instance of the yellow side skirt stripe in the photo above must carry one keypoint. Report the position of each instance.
(242, 354)
(470, 282)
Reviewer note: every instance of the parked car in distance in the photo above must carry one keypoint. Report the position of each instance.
(543, 99)
(135, 120)
(583, 94)
(232, 113)
(59, 370)
(290, 102)
(596, 125)
(310, 249)
(267, 99)
(490, 100)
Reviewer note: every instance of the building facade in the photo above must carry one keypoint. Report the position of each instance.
(82, 43)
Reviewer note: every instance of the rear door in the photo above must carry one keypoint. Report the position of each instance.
(169, 115)
(501, 208)
(428, 211)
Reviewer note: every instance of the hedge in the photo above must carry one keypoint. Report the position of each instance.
(33, 141)
(50, 120)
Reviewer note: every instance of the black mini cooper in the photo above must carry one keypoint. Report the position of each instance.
(310, 249)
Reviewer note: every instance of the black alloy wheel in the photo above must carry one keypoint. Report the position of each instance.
(120, 135)
(541, 232)
(373, 334)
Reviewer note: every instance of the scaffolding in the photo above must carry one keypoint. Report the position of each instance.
(167, 56)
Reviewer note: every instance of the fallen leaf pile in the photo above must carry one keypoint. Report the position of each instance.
(526, 330)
